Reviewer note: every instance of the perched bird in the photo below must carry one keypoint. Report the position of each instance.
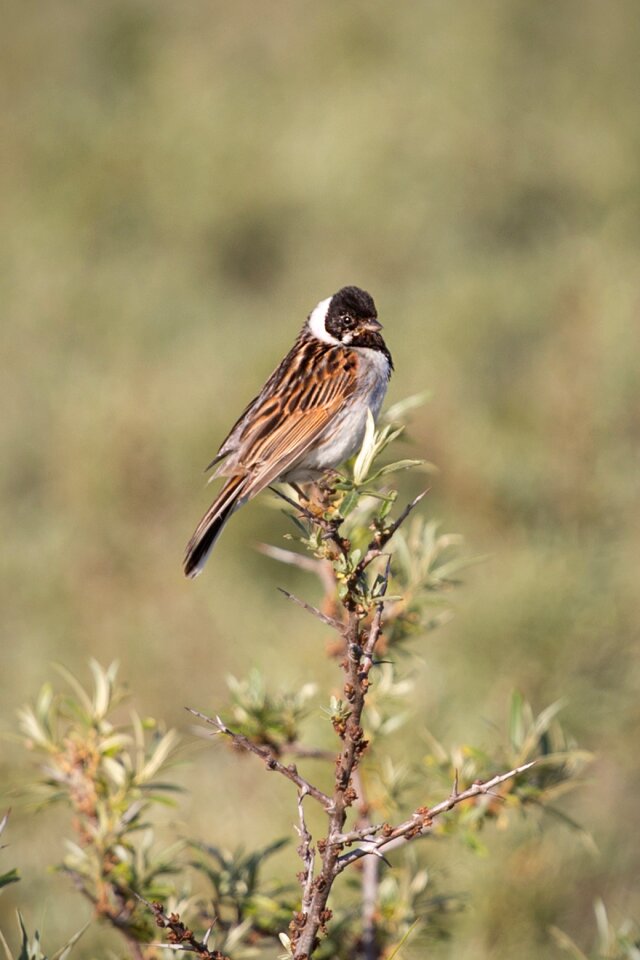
(309, 417)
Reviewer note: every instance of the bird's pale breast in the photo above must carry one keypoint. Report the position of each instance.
(344, 434)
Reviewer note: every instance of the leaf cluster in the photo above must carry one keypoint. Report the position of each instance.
(110, 775)
(109, 767)
(246, 909)
(268, 719)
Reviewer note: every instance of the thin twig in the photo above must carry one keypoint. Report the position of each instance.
(300, 560)
(329, 621)
(271, 763)
(382, 539)
(321, 568)
(354, 836)
(370, 878)
(292, 503)
(376, 624)
(370, 883)
(420, 822)
(306, 852)
(307, 753)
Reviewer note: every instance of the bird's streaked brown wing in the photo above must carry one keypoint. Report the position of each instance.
(296, 405)
(290, 416)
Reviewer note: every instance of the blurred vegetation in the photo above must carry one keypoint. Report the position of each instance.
(182, 183)
(380, 583)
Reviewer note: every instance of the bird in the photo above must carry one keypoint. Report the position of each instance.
(310, 415)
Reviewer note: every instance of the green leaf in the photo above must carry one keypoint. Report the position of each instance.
(605, 932)
(64, 951)
(115, 771)
(349, 503)
(32, 729)
(117, 742)
(404, 939)
(367, 451)
(516, 722)
(398, 411)
(77, 687)
(541, 726)
(26, 949)
(12, 876)
(5, 946)
(103, 690)
(566, 943)
(159, 757)
(396, 467)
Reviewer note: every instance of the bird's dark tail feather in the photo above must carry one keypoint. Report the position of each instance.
(210, 527)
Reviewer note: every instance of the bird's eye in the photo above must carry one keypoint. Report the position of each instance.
(347, 321)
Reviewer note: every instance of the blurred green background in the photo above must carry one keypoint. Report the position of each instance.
(181, 183)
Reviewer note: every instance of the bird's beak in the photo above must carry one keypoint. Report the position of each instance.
(373, 325)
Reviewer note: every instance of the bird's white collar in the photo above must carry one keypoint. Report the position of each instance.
(317, 320)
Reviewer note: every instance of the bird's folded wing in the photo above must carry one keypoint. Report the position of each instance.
(279, 435)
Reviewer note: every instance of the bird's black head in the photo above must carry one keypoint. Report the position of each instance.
(351, 315)
(350, 318)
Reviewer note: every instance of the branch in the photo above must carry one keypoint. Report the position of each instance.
(375, 549)
(306, 852)
(180, 937)
(376, 624)
(307, 753)
(382, 538)
(321, 568)
(120, 921)
(329, 527)
(329, 621)
(356, 666)
(290, 772)
(300, 560)
(370, 879)
(418, 824)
